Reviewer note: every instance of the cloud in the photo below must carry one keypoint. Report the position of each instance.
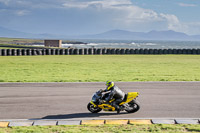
(3, 10)
(102, 3)
(191, 28)
(119, 12)
(173, 23)
(123, 14)
(32, 4)
(186, 5)
(93, 16)
(119, 9)
(5, 1)
(172, 20)
(22, 12)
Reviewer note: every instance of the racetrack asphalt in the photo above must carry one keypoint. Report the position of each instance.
(69, 100)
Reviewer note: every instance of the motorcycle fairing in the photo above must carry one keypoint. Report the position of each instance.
(93, 103)
(106, 107)
(130, 97)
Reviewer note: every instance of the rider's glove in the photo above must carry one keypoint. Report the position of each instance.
(107, 99)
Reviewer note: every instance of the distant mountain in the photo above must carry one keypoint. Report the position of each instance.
(196, 37)
(117, 34)
(113, 34)
(4, 32)
(167, 35)
(152, 35)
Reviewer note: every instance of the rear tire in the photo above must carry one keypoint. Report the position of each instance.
(93, 109)
(135, 105)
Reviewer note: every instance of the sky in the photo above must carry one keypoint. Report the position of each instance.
(79, 17)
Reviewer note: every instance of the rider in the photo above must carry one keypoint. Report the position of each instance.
(114, 92)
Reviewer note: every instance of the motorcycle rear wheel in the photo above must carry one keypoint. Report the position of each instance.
(93, 109)
(135, 105)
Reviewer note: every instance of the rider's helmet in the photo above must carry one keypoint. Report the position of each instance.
(109, 84)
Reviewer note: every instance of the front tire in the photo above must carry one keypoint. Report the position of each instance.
(93, 109)
(135, 105)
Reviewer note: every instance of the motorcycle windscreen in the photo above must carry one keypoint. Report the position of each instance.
(95, 98)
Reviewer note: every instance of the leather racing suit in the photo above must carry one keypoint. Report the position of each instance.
(117, 94)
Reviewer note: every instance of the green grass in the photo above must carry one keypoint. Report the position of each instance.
(92, 68)
(8, 47)
(17, 42)
(16, 46)
(5, 39)
(160, 128)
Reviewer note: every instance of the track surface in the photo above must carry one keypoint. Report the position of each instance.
(69, 100)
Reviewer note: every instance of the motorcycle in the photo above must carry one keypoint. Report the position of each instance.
(129, 103)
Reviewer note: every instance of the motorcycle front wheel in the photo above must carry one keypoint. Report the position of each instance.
(93, 109)
(135, 105)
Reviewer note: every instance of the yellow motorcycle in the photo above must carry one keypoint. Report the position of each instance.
(129, 103)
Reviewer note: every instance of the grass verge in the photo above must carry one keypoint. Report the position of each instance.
(158, 128)
(16, 46)
(96, 68)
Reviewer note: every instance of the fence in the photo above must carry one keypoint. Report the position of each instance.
(93, 51)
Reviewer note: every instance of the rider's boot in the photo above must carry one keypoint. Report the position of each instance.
(118, 109)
